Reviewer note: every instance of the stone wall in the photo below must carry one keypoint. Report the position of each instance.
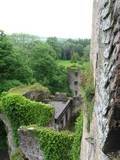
(29, 144)
(74, 79)
(105, 127)
(10, 140)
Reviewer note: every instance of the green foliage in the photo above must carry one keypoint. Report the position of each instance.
(7, 84)
(42, 63)
(75, 57)
(5, 56)
(70, 46)
(58, 79)
(22, 71)
(12, 65)
(22, 40)
(55, 145)
(17, 155)
(22, 89)
(87, 91)
(86, 52)
(45, 69)
(77, 138)
(56, 45)
(74, 67)
(22, 111)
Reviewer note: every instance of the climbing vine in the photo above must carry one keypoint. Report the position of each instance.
(22, 111)
(88, 91)
(77, 138)
(55, 145)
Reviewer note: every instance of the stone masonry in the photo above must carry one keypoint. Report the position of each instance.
(105, 127)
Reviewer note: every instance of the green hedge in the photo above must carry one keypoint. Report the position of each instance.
(77, 138)
(22, 111)
(55, 145)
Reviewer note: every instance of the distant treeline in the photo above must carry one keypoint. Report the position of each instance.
(64, 49)
(26, 59)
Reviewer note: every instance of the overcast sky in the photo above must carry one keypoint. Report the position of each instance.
(61, 18)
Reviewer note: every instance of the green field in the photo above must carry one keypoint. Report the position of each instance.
(68, 63)
(64, 63)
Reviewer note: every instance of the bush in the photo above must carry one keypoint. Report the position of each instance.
(22, 111)
(8, 84)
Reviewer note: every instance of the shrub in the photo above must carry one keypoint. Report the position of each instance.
(7, 84)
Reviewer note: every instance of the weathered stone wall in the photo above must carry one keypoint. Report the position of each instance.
(29, 144)
(8, 127)
(74, 79)
(105, 127)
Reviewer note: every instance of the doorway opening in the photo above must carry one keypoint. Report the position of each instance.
(3, 142)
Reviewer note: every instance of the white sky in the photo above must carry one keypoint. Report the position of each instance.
(61, 18)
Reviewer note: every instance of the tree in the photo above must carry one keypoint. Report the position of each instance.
(75, 57)
(45, 69)
(5, 56)
(56, 45)
(12, 65)
(42, 62)
(86, 51)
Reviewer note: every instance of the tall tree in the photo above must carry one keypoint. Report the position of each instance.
(56, 45)
(5, 56)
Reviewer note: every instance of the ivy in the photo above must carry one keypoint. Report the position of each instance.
(55, 145)
(22, 111)
(77, 138)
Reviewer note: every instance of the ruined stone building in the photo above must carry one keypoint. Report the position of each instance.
(103, 141)
(74, 80)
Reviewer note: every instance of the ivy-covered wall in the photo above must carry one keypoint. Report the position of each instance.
(21, 111)
(54, 145)
(75, 152)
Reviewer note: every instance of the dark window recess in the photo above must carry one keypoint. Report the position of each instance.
(4, 155)
(66, 116)
(113, 141)
(76, 74)
(75, 83)
(61, 123)
(76, 92)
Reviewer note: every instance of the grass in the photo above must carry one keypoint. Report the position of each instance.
(67, 63)
(64, 63)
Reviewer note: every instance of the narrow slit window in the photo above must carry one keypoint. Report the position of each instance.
(75, 83)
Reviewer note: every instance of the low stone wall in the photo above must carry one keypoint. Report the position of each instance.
(29, 144)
